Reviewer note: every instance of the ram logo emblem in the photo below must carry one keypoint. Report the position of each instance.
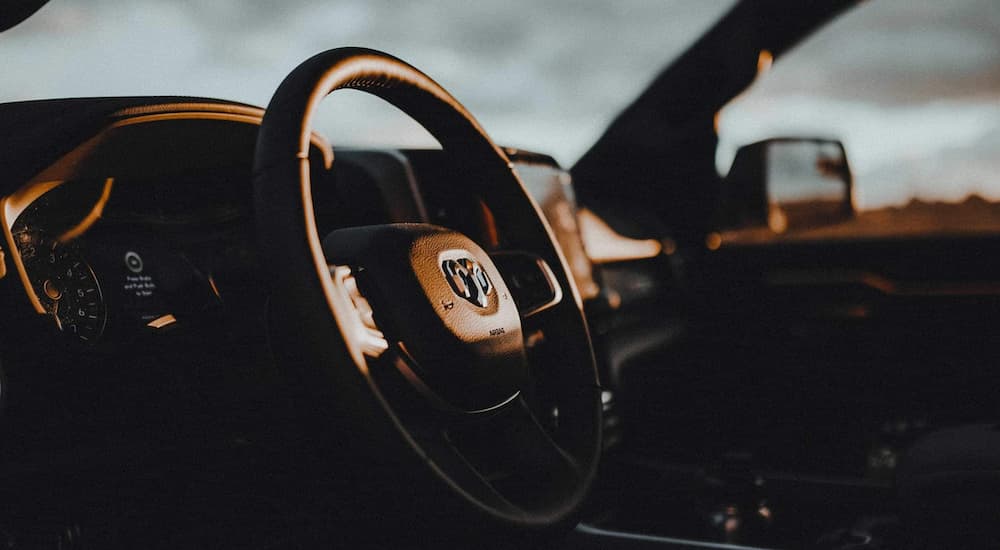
(468, 280)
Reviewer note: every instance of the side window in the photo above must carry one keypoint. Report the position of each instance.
(912, 88)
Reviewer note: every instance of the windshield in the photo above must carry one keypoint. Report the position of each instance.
(910, 86)
(546, 76)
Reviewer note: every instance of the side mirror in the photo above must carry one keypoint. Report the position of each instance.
(788, 184)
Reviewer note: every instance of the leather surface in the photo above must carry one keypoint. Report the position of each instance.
(303, 292)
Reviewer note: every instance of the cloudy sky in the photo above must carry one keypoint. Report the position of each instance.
(911, 86)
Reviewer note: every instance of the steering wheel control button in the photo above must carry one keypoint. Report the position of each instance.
(361, 305)
(531, 281)
(133, 262)
(468, 280)
(368, 337)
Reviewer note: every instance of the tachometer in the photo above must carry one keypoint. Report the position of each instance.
(65, 285)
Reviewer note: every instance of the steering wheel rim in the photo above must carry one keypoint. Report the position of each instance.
(322, 296)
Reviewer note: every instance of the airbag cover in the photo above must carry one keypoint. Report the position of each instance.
(441, 297)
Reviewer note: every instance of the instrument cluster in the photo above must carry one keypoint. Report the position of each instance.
(64, 284)
(107, 267)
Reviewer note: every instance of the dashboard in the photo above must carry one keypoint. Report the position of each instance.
(138, 336)
(145, 229)
(137, 308)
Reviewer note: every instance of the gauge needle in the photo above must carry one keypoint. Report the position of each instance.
(52, 291)
(55, 315)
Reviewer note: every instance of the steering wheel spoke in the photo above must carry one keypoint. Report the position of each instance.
(506, 453)
(530, 279)
(518, 432)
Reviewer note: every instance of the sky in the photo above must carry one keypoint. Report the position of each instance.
(912, 87)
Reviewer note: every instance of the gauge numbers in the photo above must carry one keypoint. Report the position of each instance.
(65, 285)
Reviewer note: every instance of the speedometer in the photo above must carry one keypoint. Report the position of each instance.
(65, 285)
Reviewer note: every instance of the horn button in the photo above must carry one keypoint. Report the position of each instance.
(439, 295)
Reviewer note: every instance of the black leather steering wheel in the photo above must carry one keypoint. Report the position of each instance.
(452, 365)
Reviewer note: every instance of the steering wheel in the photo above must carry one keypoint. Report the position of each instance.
(452, 365)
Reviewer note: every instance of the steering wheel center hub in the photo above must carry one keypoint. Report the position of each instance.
(438, 295)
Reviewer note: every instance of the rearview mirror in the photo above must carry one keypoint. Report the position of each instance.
(788, 184)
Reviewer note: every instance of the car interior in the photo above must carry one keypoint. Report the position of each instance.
(221, 331)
